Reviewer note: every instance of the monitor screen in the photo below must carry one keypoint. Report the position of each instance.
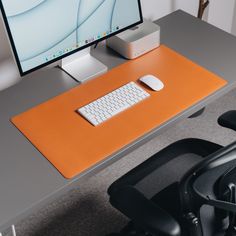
(44, 31)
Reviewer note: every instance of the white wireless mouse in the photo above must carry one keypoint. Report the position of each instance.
(152, 82)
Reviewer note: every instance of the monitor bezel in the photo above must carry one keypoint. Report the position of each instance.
(23, 73)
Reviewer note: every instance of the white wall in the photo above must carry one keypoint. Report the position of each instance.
(234, 22)
(4, 45)
(154, 9)
(190, 6)
(221, 14)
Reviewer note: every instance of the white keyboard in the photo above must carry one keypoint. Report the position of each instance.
(113, 103)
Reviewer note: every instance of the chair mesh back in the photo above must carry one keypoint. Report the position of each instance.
(170, 173)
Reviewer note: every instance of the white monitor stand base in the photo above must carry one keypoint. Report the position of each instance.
(82, 66)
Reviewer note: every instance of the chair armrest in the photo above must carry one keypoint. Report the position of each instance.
(144, 212)
(228, 120)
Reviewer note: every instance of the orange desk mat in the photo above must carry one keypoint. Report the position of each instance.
(73, 145)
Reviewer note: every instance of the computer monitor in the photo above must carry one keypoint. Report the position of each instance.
(44, 31)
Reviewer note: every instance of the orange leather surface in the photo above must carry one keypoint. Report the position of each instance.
(73, 145)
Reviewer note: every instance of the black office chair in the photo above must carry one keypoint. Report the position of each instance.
(201, 203)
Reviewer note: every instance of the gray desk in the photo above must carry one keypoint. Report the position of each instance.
(27, 179)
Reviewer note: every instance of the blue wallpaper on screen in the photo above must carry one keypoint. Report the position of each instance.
(46, 29)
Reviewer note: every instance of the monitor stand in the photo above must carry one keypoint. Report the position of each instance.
(82, 66)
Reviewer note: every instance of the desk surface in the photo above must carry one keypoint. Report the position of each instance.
(27, 180)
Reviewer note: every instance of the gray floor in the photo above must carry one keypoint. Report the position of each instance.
(86, 211)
